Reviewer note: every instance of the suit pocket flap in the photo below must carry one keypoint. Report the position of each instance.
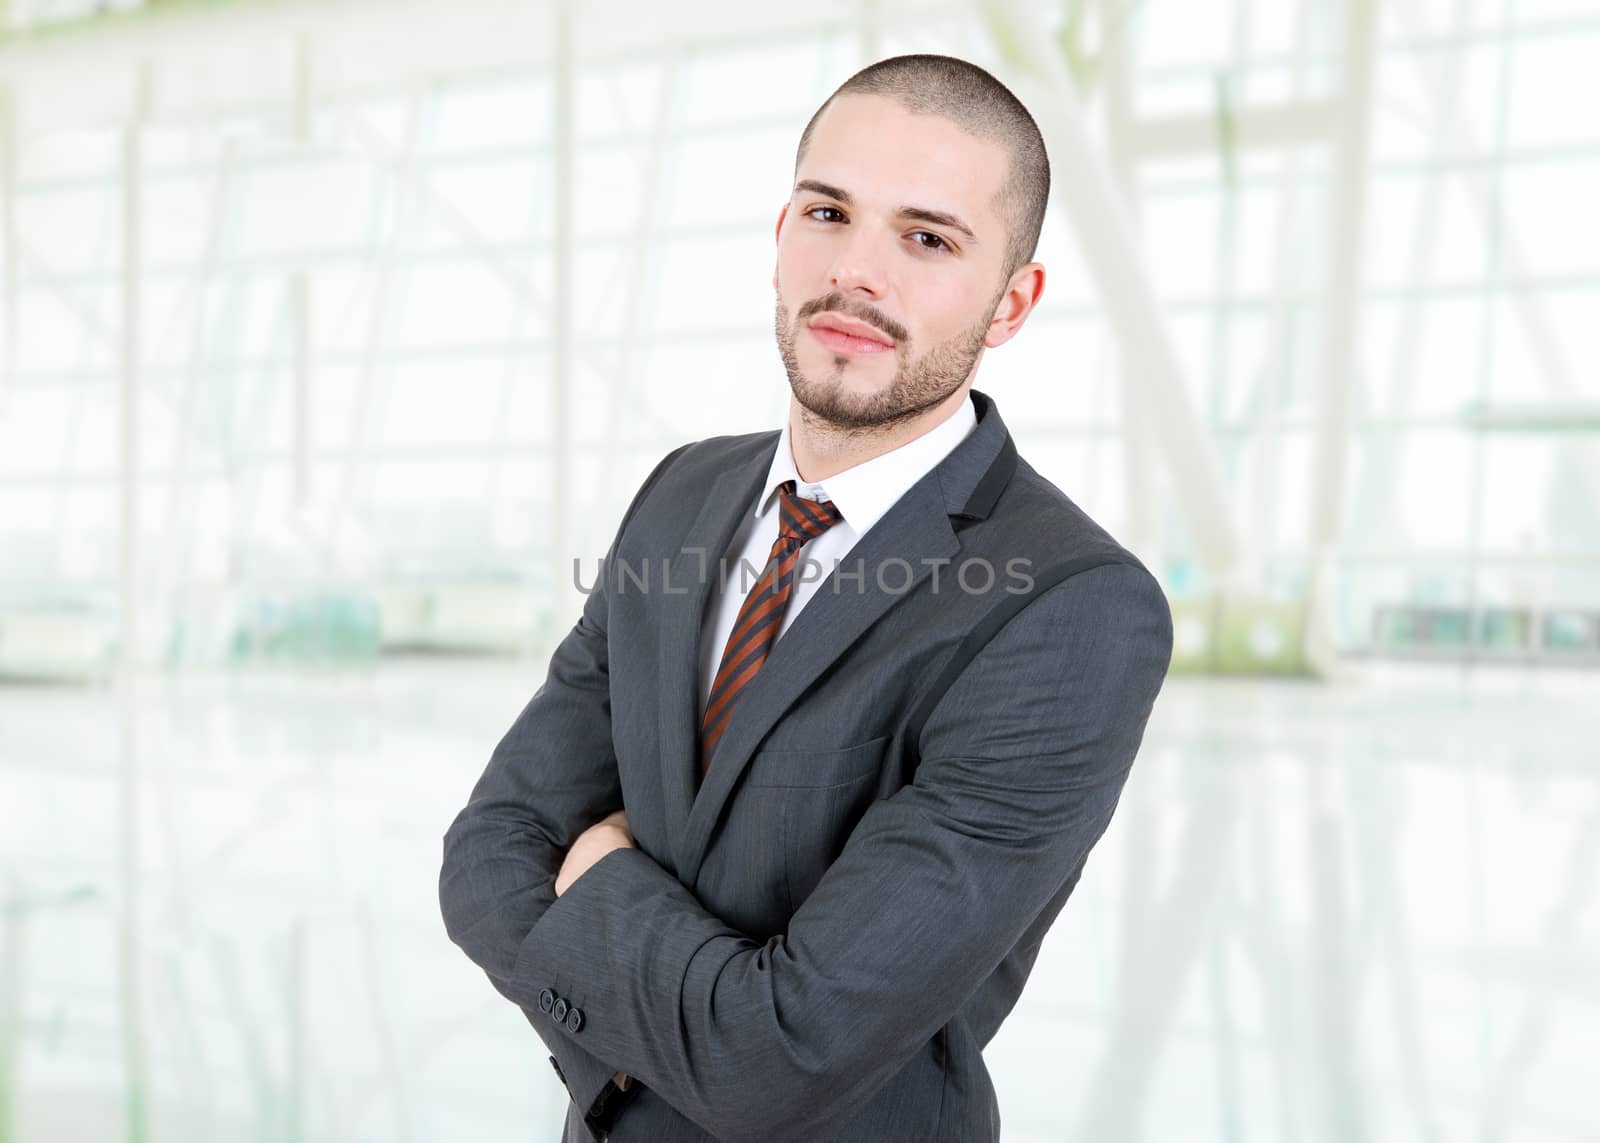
(786, 768)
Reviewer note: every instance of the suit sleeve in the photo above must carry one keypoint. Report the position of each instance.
(1024, 760)
(552, 775)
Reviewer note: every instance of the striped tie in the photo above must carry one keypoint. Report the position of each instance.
(761, 614)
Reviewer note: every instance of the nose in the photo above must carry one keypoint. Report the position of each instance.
(858, 268)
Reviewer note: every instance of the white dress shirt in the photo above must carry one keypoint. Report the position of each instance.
(862, 494)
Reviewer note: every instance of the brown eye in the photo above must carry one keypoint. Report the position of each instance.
(942, 244)
(812, 213)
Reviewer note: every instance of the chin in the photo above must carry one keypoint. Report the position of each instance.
(841, 398)
(854, 381)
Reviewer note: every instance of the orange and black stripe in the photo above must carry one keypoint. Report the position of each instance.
(761, 615)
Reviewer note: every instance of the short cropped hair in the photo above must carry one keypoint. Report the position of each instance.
(979, 104)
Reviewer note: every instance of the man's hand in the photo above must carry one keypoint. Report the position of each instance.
(608, 833)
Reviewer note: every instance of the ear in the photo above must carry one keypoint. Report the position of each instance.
(1022, 294)
(777, 235)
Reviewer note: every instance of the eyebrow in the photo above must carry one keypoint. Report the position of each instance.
(919, 213)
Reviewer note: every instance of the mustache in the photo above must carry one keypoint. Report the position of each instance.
(837, 302)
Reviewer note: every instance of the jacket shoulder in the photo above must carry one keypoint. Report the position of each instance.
(1035, 519)
(706, 459)
(692, 468)
(698, 463)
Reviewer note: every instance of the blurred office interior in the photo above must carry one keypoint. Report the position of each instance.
(332, 333)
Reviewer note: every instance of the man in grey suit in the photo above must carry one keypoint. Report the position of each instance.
(772, 860)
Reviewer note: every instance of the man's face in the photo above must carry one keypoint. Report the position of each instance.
(890, 262)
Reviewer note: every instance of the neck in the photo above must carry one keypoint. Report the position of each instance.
(822, 449)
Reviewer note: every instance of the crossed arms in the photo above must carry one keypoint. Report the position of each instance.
(1023, 762)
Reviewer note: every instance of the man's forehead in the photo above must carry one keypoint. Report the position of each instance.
(876, 149)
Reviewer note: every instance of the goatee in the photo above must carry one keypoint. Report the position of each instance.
(919, 383)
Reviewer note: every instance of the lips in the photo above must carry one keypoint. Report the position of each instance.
(847, 335)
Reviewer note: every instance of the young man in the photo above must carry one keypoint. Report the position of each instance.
(770, 854)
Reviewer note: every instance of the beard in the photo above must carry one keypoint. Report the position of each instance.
(919, 383)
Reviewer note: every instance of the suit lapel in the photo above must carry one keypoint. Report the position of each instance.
(684, 593)
(918, 529)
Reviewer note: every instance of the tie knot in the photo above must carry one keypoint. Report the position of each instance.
(802, 519)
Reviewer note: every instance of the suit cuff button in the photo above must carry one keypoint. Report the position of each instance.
(547, 1000)
(560, 1012)
(575, 1021)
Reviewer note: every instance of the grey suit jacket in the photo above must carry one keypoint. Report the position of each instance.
(818, 943)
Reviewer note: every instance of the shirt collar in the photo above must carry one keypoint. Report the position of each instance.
(864, 492)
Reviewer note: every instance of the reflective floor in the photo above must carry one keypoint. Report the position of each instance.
(1364, 911)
